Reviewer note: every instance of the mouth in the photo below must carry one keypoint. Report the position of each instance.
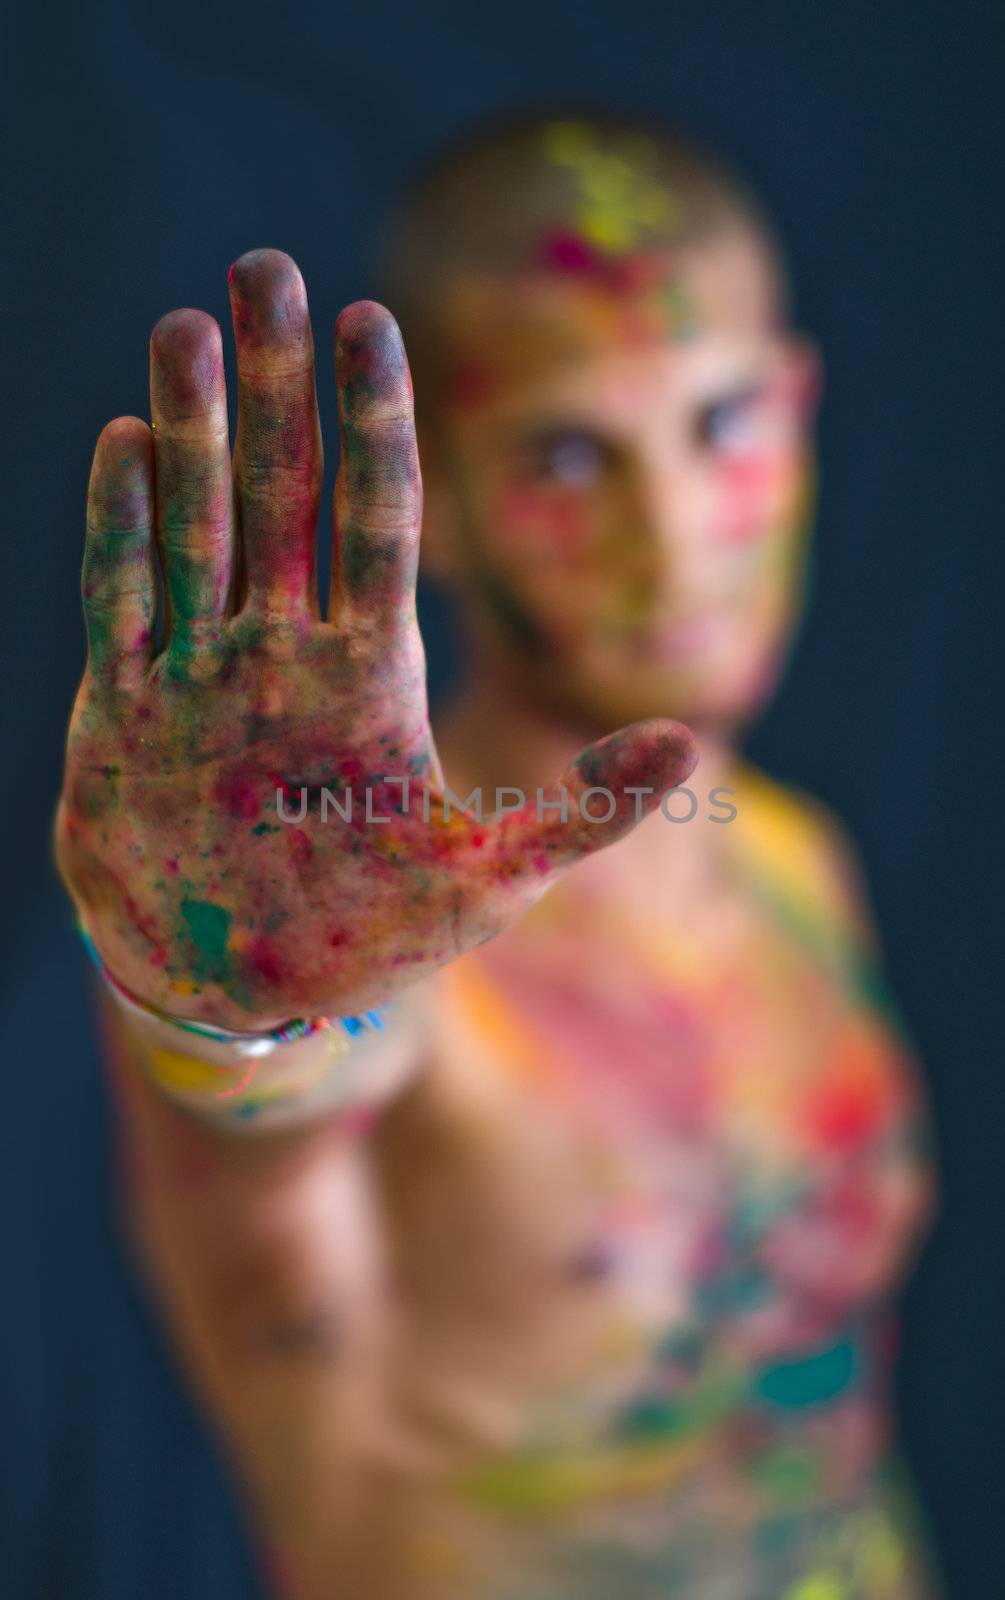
(686, 638)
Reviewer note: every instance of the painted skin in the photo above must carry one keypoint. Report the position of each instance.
(387, 1333)
(199, 899)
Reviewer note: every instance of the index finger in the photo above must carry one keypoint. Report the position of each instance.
(378, 492)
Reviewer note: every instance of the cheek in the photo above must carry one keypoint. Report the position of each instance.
(755, 495)
(560, 525)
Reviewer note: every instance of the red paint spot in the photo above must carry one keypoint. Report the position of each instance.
(749, 484)
(338, 938)
(144, 713)
(844, 1114)
(477, 840)
(351, 768)
(566, 251)
(172, 865)
(263, 957)
(144, 924)
(239, 797)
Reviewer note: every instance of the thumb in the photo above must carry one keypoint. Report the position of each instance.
(604, 792)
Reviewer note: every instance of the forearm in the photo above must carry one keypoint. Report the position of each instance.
(265, 1257)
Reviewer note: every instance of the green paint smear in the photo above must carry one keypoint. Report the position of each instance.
(208, 926)
(789, 1474)
(809, 1382)
(363, 561)
(652, 1417)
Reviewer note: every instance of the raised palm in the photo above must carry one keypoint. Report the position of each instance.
(200, 897)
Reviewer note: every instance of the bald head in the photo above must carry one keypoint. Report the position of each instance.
(597, 205)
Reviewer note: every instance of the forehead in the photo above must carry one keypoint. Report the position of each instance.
(645, 321)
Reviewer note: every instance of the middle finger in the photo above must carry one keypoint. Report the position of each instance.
(277, 455)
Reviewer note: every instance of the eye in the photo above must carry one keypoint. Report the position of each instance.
(570, 458)
(734, 423)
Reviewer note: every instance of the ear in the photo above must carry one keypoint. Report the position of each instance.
(440, 529)
(805, 375)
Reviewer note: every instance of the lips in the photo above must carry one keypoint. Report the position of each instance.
(686, 638)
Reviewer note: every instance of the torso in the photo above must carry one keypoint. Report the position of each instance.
(650, 1205)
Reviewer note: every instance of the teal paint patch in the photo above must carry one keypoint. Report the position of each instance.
(741, 1290)
(651, 1417)
(815, 1379)
(208, 926)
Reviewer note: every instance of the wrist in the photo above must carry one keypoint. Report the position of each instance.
(274, 1077)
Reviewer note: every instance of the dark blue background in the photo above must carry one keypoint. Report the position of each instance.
(150, 150)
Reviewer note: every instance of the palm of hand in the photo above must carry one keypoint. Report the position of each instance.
(183, 767)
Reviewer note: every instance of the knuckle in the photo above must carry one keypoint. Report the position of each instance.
(276, 477)
(202, 429)
(196, 536)
(268, 372)
(112, 530)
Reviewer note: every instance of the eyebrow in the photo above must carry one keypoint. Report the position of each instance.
(545, 422)
(744, 389)
(531, 429)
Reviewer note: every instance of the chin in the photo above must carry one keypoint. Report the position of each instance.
(724, 696)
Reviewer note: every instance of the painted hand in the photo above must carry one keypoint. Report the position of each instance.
(200, 898)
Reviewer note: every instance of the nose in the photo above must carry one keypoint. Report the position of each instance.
(669, 513)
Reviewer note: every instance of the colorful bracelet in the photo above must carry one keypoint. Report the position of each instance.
(243, 1044)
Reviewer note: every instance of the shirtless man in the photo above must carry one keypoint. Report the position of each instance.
(572, 1280)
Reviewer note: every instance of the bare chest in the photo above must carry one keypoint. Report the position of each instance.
(637, 1123)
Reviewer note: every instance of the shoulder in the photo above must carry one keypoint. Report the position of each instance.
(791, 838)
